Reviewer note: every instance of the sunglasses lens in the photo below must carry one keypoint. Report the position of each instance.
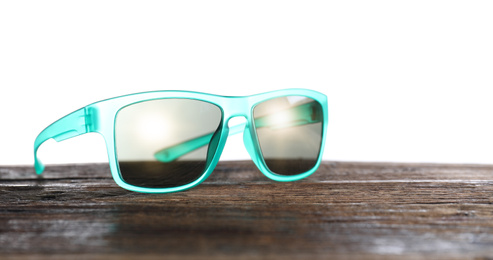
(166, 143)
(289, 131)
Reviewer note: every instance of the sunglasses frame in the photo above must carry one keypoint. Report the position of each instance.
(100, 117)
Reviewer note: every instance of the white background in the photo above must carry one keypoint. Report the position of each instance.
(407, 81)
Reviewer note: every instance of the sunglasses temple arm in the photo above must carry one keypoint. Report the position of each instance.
(69, 126)
(303, 114)
(174, 152)
(299, 115)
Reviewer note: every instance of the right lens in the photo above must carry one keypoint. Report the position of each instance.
(166, 143)
(289, 131)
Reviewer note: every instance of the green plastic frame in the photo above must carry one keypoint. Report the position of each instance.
(100, 118)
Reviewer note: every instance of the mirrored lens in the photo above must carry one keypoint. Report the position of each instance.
(167, 142)
(289, 131)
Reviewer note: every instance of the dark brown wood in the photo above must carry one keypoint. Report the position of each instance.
(344, 211)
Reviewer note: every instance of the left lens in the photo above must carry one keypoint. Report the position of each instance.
(166, 143)
(289, 131)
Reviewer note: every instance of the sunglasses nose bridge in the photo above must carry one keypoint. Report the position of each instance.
(236, 124)
(236, 114)
(236, 107)
(240, 124)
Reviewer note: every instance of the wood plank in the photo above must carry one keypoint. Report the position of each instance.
(346, 210)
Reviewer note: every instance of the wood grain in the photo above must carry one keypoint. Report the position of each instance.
(345, 210)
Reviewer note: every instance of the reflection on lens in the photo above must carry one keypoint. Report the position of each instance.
(289, 131)
(146, 128)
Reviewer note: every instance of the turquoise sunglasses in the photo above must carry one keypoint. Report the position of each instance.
(168, 141)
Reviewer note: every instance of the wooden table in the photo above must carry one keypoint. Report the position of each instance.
(344, 211)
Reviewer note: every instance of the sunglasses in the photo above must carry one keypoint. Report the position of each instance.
(168, 141)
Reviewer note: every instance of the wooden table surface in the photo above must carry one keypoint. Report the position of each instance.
(345, 210)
